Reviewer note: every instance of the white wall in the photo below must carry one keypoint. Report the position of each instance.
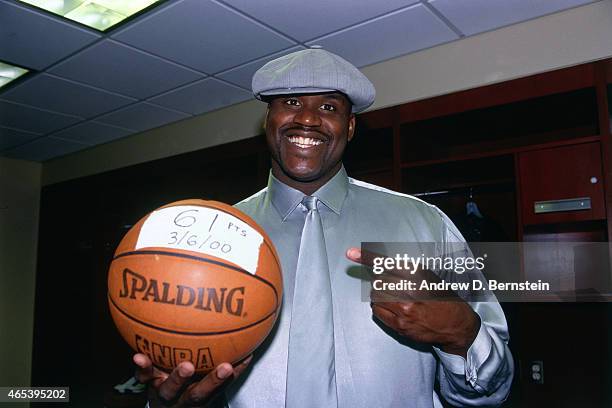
(20, 183)
(559, 40)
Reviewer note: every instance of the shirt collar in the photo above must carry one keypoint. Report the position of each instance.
(285, 199)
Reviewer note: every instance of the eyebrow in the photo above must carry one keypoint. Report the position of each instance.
(337, 97)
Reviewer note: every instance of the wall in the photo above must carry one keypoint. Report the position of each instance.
(559, 40)
(20, 183)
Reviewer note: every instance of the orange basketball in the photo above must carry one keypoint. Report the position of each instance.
(195, 280)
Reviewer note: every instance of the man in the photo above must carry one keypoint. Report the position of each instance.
(330, 348)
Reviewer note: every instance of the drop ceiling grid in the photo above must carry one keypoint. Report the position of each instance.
(57, 94)
(19, 116)
(92, 133)
(414, 28)
(45, 148)
(245, 36)
(153, 98)
(10, 137)
(142, 116)
(31, 47)
(202, 96)
(225, 40)
(103, 86)
(477, 16)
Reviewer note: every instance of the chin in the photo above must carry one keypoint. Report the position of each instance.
(303, 176)
(302, 173)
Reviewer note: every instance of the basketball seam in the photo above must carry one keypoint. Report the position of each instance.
(152, 326)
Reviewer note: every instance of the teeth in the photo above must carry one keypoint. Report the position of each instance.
(304, 141)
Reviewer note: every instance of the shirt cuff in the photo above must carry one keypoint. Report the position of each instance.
(477, 354)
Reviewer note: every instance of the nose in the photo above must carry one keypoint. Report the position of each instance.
(307, 116)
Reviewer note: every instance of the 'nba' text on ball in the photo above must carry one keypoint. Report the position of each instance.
(167, 356)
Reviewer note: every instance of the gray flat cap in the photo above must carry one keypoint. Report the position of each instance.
(311, 71)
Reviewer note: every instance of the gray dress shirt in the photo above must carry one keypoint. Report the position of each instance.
(375, 367)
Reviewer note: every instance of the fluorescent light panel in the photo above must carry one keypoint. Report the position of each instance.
(98, 14)
(9, 73)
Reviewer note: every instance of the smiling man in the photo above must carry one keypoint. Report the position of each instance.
(329, 348)
(307, 135)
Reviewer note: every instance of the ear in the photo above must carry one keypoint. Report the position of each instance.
(351, 127)
(265, 121)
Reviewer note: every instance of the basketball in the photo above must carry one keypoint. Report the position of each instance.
(195, 281)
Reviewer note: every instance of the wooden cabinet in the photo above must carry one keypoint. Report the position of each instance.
(562, 184)
(508, 146)
(369, 156)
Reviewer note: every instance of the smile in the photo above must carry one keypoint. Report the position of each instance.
(304, 142)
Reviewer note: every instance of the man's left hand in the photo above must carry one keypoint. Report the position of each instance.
(451, 325)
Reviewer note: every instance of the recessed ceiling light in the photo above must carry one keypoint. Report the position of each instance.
(9, 73)
(98, 14)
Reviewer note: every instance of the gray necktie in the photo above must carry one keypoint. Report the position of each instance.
(311, 374)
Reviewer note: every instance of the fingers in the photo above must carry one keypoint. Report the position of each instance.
(363, 257)
(239, 369)
(396, 309)
(146, 372)
(177, 387)
(354, 254)
(397, 316)
(210, 385)
(171, 388)
(385, 315)
(202, 391)
(144, 368)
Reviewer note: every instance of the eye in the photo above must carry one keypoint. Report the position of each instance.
(292, 102)
(328, 107)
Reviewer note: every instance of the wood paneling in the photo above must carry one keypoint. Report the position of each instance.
(563, 80)
(562, 173)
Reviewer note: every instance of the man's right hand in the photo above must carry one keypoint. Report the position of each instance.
(177, 389)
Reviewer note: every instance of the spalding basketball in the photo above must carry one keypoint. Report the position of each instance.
(195, 280)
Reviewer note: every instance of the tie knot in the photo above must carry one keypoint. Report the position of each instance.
(310, 202)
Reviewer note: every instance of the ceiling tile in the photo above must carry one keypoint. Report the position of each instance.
(141, 116)
(29, 119)
(477, 16)
(11, 137)
(409, 30)
(243, 74)
(92, 133)
(203, 96)
(295, 18)
(44, 149)
(203, 35)
(59, 95)
(115, 67)
(35, 40)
